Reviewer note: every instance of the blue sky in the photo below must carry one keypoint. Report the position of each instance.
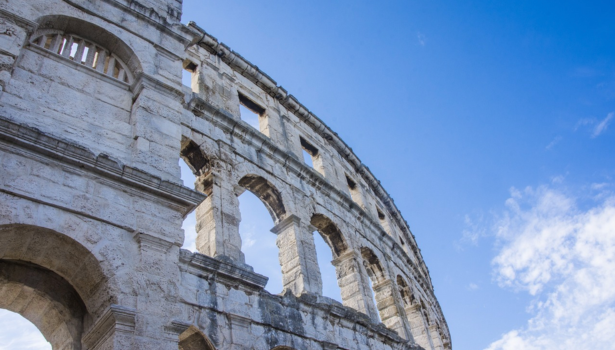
(491, 125)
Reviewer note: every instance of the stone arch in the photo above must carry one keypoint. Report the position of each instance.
(62, 255)
(55, 274)
(193, 339)
(330, 233)
(268, 194)
(406, 293)
(45, 299)
(372, 264)
(93, 33)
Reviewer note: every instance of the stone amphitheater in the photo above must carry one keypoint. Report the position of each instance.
(93, 120)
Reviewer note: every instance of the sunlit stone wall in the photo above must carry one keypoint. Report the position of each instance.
(93, 120)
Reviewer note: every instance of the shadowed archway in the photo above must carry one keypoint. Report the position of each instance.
(52, 281)
(193, 339)
(267, 193)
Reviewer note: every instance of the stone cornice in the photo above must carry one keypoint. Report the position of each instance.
(262, 80)
(38, 142)
(226, 271)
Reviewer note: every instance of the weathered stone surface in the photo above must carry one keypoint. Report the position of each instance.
(93, 121)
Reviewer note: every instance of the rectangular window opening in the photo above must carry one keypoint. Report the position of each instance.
(307, 159)
(73, 50)
(250, 112)
(188, 74)
(48, 41)
(84, 57)
(309, 152)
(381, 215)
(311, 156)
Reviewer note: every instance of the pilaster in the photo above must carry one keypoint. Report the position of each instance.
(418, 328)
(217, 219)
(390, 312)
(297, 252)
(353, 284)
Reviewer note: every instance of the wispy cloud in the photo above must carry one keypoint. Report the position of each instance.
(603, 125)
(473, 287)
(563, 257)
(421, 38)
(597, 126)
(555, 141)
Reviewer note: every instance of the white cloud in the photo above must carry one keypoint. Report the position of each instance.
(603, 125)
(17, 333)
(564, 256)
(472, 287)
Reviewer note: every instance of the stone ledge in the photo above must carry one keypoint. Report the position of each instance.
(225, 271)
(35, 140)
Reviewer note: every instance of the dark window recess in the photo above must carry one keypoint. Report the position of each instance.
(380, 214)
(190, 66)
(313, 151)
(351, 184)
(251, 105)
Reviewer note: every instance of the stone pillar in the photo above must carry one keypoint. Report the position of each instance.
(418, 327)
(353, 284)
(217, 219)
(297, 251)
(156, 129)
(390, 313)
(436, 340)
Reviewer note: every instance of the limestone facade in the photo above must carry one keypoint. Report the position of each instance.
(93, 121)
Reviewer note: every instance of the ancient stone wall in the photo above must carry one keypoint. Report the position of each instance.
(93, 121)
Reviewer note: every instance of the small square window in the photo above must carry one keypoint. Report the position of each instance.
(311, 156)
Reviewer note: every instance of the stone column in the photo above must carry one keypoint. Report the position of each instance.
(297, 251)
(390, 313)
(417, 326)
(217, 219)
(352, 281)
(436, 340)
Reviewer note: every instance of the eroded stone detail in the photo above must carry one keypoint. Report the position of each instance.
(91, 201)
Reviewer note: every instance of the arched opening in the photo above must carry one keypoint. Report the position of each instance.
(372, 265)
(193, 339)
(375, 271)
(324, 255)
(330, 244)
(405, 292)
(52, 281)
(257, 243)
(261, 207)
(16, 332)
(54, 28)
(45, 299)
(192, 163)
(267, 193)
(330, 233)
